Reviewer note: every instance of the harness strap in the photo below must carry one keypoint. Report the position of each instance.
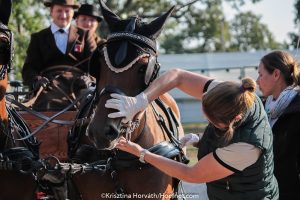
(17, 124)
(118, 188)
(81, 123)
(124, 160)
(37, 114)
(54, 116)
(164, 148)
(64, 94)
(172, 132)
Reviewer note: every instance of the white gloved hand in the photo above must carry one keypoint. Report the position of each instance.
(189, 139)
(127, 107)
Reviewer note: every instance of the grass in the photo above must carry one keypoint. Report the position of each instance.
(193, 128)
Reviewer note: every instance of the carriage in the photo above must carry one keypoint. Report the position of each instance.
(77, 158)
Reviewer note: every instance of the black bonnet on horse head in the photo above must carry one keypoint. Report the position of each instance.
(130, 38)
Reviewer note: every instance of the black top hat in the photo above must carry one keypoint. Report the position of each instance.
(70, 3)
(89, 10)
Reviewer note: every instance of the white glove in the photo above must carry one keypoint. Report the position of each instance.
(127, 107)
(189, 139)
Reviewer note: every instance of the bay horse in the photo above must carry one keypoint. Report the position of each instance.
(126, 64)
(15, 156)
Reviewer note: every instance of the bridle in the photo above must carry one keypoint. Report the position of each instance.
(6, 50)
(126, 129)
(130, 37)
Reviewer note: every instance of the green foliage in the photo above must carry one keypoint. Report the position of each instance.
(294, 36)
(209, 26)
(249, 34)
(200, 26)
(27, 17)
(195, 26)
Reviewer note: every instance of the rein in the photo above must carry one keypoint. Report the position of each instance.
(73, 67)
(118, 160)
(52, 117)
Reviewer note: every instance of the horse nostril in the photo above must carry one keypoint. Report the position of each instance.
(111, 133)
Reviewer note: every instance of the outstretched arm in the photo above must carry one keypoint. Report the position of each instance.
(188, 82)
(128, 107)
(205, 170)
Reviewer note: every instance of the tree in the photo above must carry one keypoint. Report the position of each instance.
(208, 26)
(249, 34)
(201, 23)
(294, 37)
(195, 25)
(27, 17)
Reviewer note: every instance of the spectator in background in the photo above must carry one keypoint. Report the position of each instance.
(278, 82)
(236, 150)
(60, 44)
(88, 18)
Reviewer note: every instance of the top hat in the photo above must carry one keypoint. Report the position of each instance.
(70, 3)
(89, 10)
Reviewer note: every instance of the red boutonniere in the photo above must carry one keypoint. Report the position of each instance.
(77, 48)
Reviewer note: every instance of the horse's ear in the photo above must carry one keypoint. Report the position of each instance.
(5, 11)
(111, 18)
(155, 27)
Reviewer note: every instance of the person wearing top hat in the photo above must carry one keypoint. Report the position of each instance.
(60, 44)
(88, 18)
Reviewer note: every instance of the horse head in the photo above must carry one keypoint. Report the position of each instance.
(126, 64)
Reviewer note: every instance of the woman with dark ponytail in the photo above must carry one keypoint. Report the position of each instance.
(235, 152)
(278, 81)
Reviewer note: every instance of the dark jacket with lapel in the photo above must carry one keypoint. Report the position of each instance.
(286, 132)
(43, 53)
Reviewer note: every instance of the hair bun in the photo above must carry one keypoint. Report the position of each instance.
(248, 84)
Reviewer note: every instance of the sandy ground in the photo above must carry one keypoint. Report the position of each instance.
(193, 191)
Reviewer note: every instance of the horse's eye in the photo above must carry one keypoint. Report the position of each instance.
(143, 68)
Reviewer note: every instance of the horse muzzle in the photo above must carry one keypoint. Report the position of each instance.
(103, 136)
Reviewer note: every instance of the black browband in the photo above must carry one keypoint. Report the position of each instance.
(132, 36)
